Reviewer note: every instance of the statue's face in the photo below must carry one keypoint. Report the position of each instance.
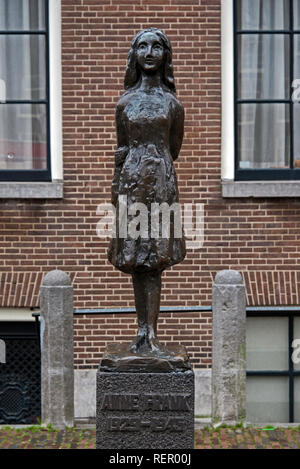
(150, 52)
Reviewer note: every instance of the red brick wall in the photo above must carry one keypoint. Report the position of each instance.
(93, 333)
(258, 238)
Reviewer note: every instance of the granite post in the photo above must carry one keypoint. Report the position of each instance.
(57, 360)
(229, 349)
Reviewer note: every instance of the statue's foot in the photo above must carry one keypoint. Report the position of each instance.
(138, 343)
(156, 346)
(144, 344)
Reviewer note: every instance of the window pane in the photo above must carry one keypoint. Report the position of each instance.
(296, 84)
(22, 15)
(267, 399)
(296, 14)
(263, 136)
(297, 57)
(267, 344)
(296, 99)
(23, 67)
(264, 66)
(23, 136)
(297, 399)
(296, 354)
(296, 135)
(263, 14)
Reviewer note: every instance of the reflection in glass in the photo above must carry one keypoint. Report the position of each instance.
(23, 136)
(296, 84)
(297, 135)
(267, 399)
(297, 399)
(263, 66)
(263, 14)
(23, 66)
(22, 15)
(296, 354)
(267, 344)
(297, 14)
(263, 136)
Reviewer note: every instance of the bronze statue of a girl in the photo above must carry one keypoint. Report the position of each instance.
(149, 124)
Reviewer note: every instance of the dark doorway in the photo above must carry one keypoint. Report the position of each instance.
(20, 375)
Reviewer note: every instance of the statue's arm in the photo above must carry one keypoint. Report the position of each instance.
(120, 153)
(122, 138)
(177, 129)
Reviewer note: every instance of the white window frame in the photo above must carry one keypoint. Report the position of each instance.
(55, 80)
(54, 188)
(230, 187)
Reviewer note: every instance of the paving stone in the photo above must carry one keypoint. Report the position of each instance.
(223, 438)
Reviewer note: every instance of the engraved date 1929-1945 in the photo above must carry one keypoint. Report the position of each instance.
(154, 424)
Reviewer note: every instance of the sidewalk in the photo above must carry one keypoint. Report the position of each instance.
(37, 437)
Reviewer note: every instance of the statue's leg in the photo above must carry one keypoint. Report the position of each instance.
(139, 288)
(147, 289)
(153, 302)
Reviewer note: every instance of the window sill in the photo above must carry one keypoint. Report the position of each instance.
(259, 189)
(31, 190)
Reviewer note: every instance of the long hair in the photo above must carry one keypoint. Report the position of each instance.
(133, 72)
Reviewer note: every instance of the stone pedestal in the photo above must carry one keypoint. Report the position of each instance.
(145, 409)
(56, 299)
(229, 349)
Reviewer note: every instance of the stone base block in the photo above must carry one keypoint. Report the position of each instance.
(119, 358)
(145, 410)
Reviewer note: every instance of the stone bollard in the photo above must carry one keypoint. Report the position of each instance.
(57, 358)
(229, 349)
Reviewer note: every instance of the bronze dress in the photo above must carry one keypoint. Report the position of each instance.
(145, 173)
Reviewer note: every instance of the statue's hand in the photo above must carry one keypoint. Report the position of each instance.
(120, 155)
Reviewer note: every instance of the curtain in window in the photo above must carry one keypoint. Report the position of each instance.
(22, 78)
(264, 73)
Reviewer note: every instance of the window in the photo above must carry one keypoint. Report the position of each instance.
(24, 107)
(273, 365)
(266, 66)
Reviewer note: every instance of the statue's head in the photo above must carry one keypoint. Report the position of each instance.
(163, 61)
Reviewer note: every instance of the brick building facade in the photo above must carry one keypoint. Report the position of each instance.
(256, 236)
